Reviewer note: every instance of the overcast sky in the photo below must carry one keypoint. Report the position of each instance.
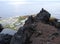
(29, 0)
(10, 8)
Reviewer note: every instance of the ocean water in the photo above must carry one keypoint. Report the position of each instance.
(8, 31)
(10, 9)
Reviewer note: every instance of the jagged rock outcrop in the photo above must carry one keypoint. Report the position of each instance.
(37, 30)
(43, 16)
(30, 20)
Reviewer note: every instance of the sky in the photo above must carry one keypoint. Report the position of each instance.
(10, 8)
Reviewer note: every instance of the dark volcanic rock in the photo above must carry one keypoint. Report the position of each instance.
(36, 31)
(30, 20)
(43, 15)
(1, 28)
(18, 37)
(5, 38)
(46, 31)
(29, 35)
(22, 36)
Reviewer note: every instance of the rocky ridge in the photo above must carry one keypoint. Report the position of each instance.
(39, 29)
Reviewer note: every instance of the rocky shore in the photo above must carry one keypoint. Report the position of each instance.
(40, 29)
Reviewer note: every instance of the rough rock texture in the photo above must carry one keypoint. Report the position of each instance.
(45, 33)
(43, 16)
(5, 38)
(37, 30)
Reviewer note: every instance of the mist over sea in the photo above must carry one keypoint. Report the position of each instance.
(10, 9)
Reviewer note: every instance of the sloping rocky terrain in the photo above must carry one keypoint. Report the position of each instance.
(40, 29)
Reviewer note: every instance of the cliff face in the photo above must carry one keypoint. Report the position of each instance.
(37, 30)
